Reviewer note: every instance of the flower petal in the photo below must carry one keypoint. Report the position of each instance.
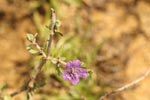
(76, 63)
(74, 78)
(73, 72)
(82, 73)
(64, 75)
(69, 64)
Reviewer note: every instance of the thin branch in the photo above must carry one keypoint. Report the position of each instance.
(57, 60)
(25, 86)
(32, 79)
(38, 69)
(52, 29)
(126, 87)
(22, 88)
(39, 49)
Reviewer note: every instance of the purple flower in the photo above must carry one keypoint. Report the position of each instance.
(73, 72)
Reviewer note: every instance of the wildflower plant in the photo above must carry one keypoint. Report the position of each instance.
(70, 70)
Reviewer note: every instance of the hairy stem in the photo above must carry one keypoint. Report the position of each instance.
(52, 29)
(25, 86)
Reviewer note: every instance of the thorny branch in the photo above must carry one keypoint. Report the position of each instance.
(125, 87)
(26, 86)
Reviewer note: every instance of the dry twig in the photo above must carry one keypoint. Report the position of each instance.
(125, 87)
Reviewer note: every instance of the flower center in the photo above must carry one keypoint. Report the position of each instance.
(72, 70)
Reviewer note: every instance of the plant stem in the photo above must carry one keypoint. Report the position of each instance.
(126, 87)
(25, 86)
(52, 29)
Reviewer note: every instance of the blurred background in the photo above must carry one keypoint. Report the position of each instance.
(111, 37)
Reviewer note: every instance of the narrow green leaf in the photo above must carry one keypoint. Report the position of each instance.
(28, 47)
(59, 33)
(40, 84)
(58, 69)
(32, 51)
(30, 37)
(27, 96)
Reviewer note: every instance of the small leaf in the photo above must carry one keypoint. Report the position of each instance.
(27, 96)
(40, 84)
(28, 47)
(54, 61)
(90, 72)
(30, 37)
(59, 70)
(32, 51)
(35, 35)
(58, 23)
(56, 32)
